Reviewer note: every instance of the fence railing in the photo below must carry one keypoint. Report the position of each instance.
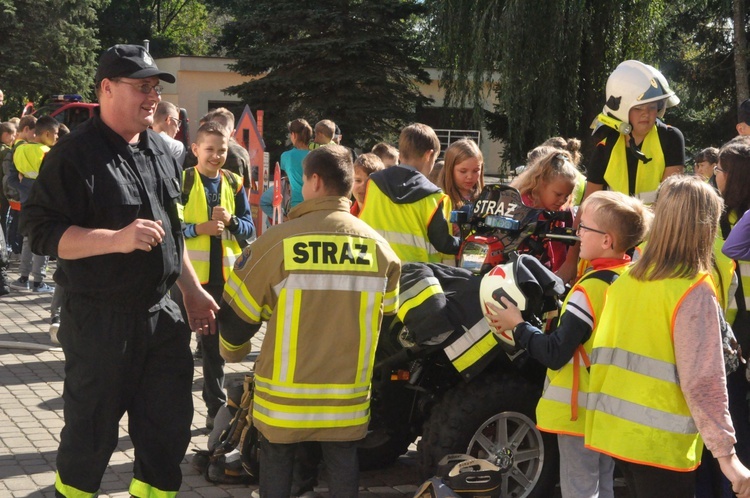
(447, 137)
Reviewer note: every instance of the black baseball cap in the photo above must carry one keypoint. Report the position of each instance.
(129, 61)
(743, 112)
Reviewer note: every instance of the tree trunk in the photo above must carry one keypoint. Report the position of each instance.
(740, 48)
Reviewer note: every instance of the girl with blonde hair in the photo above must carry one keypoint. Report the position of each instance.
(547, 183)
(657, 384)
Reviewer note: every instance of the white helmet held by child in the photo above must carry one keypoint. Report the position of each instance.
(528, 284)
(501, 282)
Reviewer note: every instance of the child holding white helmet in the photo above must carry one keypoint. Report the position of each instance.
(610, 224)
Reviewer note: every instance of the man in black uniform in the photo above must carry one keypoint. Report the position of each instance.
(105, 204)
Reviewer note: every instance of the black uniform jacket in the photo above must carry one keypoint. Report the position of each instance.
(94, 179)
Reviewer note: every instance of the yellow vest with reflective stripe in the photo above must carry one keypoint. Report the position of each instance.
(722, 276)
(196, 211)
(558, 411)
(648, 176)
(636, 409)
(404, 226)
(744, 267)
(731, 313)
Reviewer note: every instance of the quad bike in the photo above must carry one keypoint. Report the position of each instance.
(489, 414)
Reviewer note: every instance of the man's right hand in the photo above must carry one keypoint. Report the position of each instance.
(141, 235)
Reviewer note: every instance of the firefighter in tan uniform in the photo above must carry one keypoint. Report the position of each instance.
(323, 281)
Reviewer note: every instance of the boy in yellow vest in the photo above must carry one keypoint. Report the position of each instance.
(611, 223)
(24, 168)
(403, 206)
(217, 221)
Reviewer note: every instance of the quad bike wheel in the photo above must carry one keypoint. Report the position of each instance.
(511, 441)
(493, 418)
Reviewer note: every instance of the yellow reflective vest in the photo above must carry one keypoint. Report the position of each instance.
(322, 281)
(196, 211)
(404, 226)
(636, 409)
(27, 159)
(648, 176)
(562, 408)
(721, 274)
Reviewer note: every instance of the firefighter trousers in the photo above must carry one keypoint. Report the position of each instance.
(118, 362)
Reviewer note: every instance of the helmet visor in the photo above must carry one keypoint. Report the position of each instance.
(654, 92)
(657, 106)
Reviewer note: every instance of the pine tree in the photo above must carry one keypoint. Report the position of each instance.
(48, 47)
(351, 61)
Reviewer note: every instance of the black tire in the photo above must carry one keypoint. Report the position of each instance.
(493, 400)
(379, 449)
(390, 432)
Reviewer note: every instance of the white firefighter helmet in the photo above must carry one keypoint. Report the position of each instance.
(634, 83)
(501, 282)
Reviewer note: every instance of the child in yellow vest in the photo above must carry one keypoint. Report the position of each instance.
(27, 160)
(217, 222)
(611, 223)
(657, 385)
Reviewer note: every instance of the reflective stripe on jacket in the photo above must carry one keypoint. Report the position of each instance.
(323, 281)
(197, 211)
(636, 409)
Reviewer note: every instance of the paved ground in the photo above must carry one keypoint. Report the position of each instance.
(31, 373)
(31, 381)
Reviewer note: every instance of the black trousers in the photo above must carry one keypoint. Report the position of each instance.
(645, 481)
(214, 394)
(116, 362)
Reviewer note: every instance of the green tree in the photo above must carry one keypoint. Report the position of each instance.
(351, 61)
(49, 47)
(739, 20)
(697, 57)
(173, 27)
(546, 60)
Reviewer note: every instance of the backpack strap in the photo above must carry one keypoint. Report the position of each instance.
(233, 180)
(187, 185)
(606, 276)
